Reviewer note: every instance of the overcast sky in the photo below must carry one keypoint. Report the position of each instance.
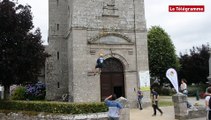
(185, 29)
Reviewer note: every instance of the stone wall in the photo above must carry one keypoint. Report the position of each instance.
(182, 112)
(199, 112)
(56, 68)
(41, 116)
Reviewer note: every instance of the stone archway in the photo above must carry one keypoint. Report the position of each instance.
(112, 78)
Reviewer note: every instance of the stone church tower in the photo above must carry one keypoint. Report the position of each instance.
(81, 29)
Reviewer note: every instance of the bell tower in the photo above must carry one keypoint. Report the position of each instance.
(78, 31)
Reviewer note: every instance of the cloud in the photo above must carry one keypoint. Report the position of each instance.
(185, 29)
(40, 15)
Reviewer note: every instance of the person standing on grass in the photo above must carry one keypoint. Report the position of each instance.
(114, 107)
(155, 98)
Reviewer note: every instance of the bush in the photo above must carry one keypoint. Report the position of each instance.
(30, 92)
(54, 107)
(167, 91)
(35, 91)
(19, 93)
(194, 88)
(163, 90)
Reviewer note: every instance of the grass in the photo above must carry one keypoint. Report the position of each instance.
(165, 103)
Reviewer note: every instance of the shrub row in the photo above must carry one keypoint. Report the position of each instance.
(29, 92)
(53, 107)
(167, 91)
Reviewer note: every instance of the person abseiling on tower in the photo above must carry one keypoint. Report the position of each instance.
(99, 64)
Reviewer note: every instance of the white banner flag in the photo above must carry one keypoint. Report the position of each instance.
(144, 80)
(171, 74)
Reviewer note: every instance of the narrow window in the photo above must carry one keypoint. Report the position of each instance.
(57, 27)
(68, 10)
(57, 3)
(57, 55)
(58, 84)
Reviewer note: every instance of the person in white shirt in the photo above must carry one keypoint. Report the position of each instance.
(184, 90)
(183, 87)
(208, 103)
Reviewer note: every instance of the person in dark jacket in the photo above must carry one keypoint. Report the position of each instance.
(155, 98)
(140, 96)
(99, 64)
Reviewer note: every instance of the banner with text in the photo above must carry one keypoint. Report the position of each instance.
(144, 80)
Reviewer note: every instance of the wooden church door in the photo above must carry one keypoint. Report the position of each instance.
(112, 78)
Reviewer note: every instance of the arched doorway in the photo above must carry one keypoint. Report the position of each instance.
(112, 78)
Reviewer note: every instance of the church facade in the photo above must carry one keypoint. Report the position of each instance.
(79, 30)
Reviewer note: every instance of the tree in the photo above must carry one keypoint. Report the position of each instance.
(195, 66)
(162, 54)
(22, 54)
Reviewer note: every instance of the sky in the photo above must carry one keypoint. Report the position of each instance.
(186, 29)
(39, 10)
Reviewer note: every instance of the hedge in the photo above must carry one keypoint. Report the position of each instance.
(193, 89)
(53, 107)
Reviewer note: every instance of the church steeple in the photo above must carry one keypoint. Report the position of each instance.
(78, 30)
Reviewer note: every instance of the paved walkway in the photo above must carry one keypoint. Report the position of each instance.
(168, 112)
